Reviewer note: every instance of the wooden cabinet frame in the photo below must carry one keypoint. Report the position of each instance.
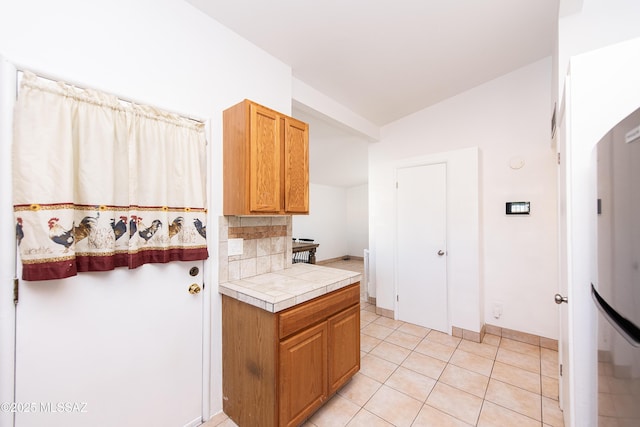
(303, 374)
(265, 162)
(279, 368)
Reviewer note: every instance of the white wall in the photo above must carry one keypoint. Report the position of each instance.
(596, 24)
(166, 54)
(357, 220)
(337, 220)
(463, 234)
(308, 99)
(326, 222)
(506, 118)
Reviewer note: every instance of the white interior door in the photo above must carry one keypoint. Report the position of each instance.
(421, 246)
(119, 348)
(564, 384)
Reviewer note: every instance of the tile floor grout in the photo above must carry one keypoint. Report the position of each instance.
(365, 399)
(490, 376)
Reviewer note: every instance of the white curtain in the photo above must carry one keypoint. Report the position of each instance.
(99, 183)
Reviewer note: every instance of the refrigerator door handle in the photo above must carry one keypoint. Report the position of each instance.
(625, 327)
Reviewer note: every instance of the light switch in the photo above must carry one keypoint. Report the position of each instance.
(235, 247)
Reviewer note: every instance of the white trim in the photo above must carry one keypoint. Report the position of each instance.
(7, 244)
(208, 281)
(410, 163)
(194, 423)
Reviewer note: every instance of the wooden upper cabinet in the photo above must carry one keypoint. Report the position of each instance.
(266, 162)
(296, 166)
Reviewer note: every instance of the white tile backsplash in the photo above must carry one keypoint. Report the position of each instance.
(259, 255)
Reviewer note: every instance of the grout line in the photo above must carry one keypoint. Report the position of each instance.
(490, 377)
(447, 363)
(541, 403)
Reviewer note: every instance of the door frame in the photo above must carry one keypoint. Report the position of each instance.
(9, 258)
(7, 245)
(603, 85)
(418, 162)
(565, 347)
(396, 238)
(464, 237)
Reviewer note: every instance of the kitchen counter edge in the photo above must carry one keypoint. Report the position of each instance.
(302, 282)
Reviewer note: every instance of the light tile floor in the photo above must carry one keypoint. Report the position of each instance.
(414, 376)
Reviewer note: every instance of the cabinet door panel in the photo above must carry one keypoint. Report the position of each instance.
(296, 166)
(265, 160)
(303, 374)
(344, 347)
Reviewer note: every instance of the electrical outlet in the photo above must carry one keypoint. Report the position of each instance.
(497, 310)
(235, 247)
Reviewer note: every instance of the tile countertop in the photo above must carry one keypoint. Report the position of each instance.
(282, 289)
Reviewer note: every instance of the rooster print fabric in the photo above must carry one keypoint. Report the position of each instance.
(100, 184)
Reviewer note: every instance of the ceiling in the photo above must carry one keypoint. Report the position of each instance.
(385, 59)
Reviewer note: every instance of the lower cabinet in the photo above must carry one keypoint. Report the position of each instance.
(303, 374)
(344, 358)
(278, 368)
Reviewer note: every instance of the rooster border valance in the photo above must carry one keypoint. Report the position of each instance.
(99, 183)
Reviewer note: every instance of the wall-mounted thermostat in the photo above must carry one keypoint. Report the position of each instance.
(518, 208)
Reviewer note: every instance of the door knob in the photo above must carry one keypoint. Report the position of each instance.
(440, 252)
(194, 289)
(559, 299)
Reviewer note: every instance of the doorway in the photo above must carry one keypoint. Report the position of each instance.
(124, 347)
(421, 273)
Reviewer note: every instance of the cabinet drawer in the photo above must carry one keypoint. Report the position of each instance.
(316, 310)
